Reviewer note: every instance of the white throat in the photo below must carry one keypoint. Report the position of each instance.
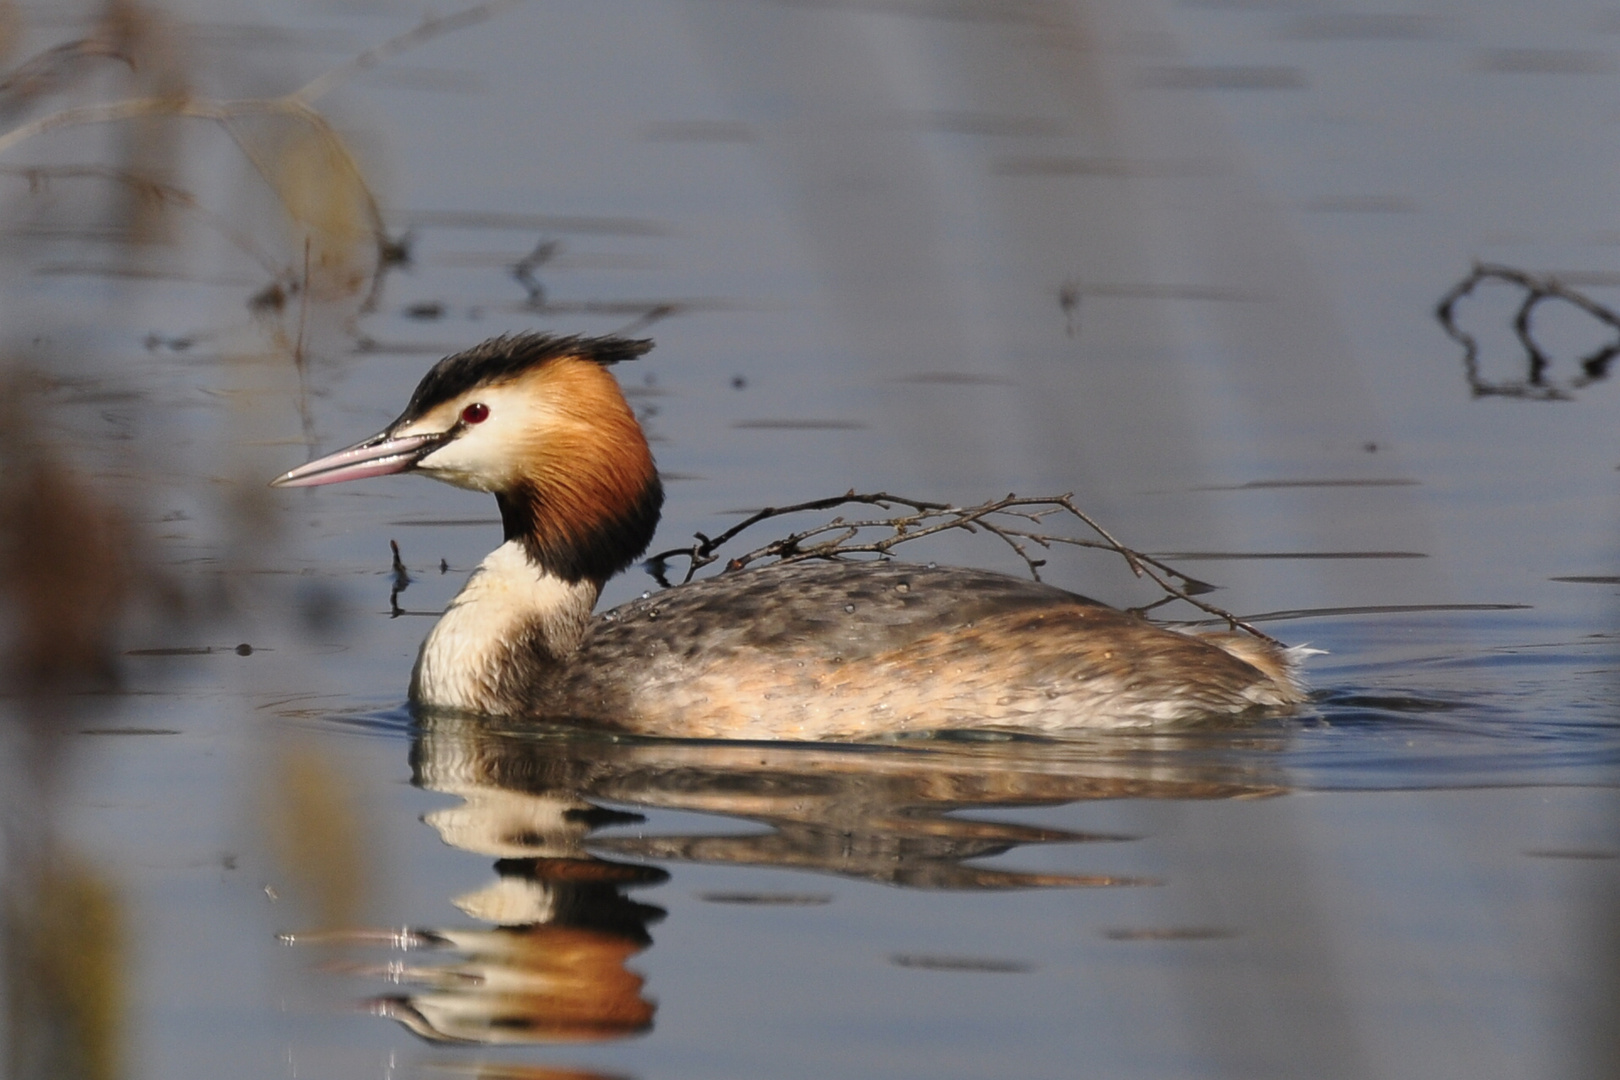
(510, 617)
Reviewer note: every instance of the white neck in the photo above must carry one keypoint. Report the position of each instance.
(509, 617)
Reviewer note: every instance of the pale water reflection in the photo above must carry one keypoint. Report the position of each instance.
(563, 925)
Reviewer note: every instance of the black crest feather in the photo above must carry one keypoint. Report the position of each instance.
(507, 356)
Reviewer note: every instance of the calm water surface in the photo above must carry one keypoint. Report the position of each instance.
(1181, 260)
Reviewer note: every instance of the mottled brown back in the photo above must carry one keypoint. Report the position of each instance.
(816, 650)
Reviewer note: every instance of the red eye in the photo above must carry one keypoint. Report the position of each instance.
(476, 413)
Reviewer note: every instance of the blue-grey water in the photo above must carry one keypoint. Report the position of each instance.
(1179, 259)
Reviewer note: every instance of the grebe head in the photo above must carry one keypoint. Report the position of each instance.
(538, 422)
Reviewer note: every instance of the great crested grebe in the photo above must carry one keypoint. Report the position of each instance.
(805, 650)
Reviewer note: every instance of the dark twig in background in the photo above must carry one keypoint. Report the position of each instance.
(523, 271)
(401, 581)
(1536, 385)
(1015, 520)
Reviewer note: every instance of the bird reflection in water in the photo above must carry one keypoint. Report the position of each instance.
(552, 969)
(554, 973)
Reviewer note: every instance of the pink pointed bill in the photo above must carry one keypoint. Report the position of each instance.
(379, 455)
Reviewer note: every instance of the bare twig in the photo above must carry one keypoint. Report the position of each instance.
(40, 177)
(392, 254)
(401, 581)
(1069, 302)
(113, 111)
(1536, 385)
(301, 362)
(225, 113)
(50, 71)
(429, 29)
(1017, 521)
(655, 314)
(523, 271)
(35, 77)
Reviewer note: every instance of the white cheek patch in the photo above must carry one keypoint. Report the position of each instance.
(462, 461)
(483, 457)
